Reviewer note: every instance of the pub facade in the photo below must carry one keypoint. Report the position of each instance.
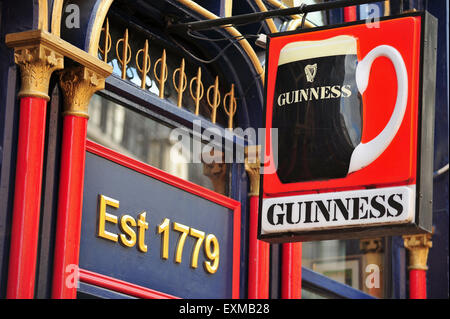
(130, 155)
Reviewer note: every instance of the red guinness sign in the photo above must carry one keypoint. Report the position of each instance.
(351, 147)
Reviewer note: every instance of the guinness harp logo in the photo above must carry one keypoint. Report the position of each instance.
(310, 72)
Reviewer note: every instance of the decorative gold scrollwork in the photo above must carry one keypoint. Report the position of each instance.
(145, 63)
(199, 89)
(216, 99)
(231, 108)
(162, 78)
(108, 42)
(180, 75)
(125, 58)
(182, 82)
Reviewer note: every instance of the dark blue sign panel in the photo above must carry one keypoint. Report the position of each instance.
(145, 227)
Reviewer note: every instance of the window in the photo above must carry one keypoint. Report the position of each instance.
(357, 263)
(155, 90)
(147, 140)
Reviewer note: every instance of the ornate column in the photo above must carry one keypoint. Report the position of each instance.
(78, 84)
(259, 251)
(373, 266)
(418, 247)
(37, 60)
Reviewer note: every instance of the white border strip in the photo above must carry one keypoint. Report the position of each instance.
(327, 211)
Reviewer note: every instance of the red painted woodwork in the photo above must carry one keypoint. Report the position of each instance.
(70, 199)
(417, 284)
(121, 286)
(259, 254)
(291, 271)
(27, 198)
(70, 202)
(187, 186)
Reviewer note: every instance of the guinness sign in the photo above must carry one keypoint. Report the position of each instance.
(352, 118)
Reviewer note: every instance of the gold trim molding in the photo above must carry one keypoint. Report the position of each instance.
(78, 85)
(34, 37)
(43, 15)
(39, 53)
(418, 246)
(270, 24)
(100, 16)
(252, 166)
(56, 17)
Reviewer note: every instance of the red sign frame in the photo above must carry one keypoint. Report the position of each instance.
(401, 164)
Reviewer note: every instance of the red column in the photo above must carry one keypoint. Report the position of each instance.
(37, 63)
(291, 271)
(27, 198)
(70, 199)
(350, 14)
(259, 254)
(417, 284)
(78, 84)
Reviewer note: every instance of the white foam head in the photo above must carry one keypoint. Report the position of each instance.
(302, 50)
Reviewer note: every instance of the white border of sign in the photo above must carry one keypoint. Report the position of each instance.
(359, 208)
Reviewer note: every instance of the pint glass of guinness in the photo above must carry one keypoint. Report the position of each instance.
(317, 108)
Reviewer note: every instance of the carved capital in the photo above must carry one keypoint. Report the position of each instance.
(216, 170)
(252, 166)
(39, 53)
(78, 85)
(37, 64)
(418, 246)
(371, 245)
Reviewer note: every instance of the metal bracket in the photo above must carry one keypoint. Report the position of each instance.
(259, 16)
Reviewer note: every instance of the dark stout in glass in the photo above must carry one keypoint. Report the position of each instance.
(317, 110)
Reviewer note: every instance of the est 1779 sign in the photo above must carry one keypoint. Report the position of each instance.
(353, 108)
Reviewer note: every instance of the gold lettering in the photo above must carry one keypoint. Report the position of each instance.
(200, 237)
(104, 217)
(143, 226)
(184, 231)
(164, 228)
(212, 254)
(126, 222)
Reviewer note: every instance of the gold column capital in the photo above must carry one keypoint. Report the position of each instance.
(39, 53)
(252, 166)
(78, 84)
(37, 63)
(418, 246)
